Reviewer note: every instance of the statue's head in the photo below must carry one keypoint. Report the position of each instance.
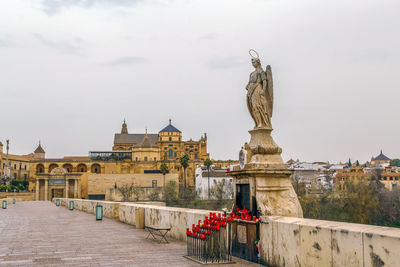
(256, 62)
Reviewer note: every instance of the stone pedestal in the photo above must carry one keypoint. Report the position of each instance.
(268, 177)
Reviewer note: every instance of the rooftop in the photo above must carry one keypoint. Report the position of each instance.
(170, 128)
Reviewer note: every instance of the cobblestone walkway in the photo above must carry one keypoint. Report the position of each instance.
(38, 233)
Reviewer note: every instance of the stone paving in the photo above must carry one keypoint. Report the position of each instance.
(37, 233)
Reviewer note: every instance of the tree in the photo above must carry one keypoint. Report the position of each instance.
(184, 160)
(349, 164)
(164, 170)
(208, 164)
(357, 163)
(395, 162)
(128, 190)
(170, 192)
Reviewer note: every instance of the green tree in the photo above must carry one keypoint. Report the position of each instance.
(184, 160)
(171, 192)
(395, 162)
(164, 170)
(208, 164)
(349, 164)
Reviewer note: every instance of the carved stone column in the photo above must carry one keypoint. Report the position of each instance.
(66, 187)
(75, 188)
(79, 188)
(37, 188)
(46, 189)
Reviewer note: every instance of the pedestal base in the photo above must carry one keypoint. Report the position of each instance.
(273, 191)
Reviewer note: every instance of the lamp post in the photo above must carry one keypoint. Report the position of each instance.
(71, 205)
(99, 212)
(4, 204)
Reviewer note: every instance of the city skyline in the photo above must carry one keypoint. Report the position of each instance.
(72, 71)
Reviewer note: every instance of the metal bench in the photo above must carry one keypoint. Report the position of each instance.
(158, 231)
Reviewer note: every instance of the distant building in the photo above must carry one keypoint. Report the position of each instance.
(218, 176)
(380, 161)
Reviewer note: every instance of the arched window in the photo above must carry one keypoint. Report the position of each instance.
(170, 153)
(40, 168)
(96, 168)
(145, 158)
(67, 167)
(170, 139)
(81, 168)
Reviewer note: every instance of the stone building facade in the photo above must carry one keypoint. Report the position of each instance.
(131, 154)
(19, 165)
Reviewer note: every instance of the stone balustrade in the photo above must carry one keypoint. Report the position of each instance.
(285, 241)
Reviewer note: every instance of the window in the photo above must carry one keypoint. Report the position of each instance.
(155, 159)
(165, 148)
(391, 178)
(137, 159)
(145, 158)
(195, 156)
(15, 175)
(170, 139)
(15, 166)
(154, 183)
(95, 170)
(195, 149)
(25, 176)
(170, 153)
(175, 148)
(82, 169)
(175, 155)
(25, 167)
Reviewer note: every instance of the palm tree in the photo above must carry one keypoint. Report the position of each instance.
(164, 170)
(184, 160)
(208, 164)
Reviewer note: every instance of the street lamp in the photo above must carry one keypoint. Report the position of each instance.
(99, 212)
(71, 205)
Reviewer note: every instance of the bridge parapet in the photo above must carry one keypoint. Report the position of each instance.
(285, 241)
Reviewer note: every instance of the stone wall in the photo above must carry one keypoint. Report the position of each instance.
(285, 241)
(178, 218)
(24, 196)
(289, 241)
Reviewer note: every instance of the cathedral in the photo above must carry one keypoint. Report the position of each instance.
(134, 157)
(167, 144)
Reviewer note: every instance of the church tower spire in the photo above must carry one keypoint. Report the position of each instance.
(124, 129)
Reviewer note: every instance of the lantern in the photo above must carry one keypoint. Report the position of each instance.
(57, 202)
(4, 204)
(99, 212)
(71, 205)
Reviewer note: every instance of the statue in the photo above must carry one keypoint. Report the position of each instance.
(262, 167)
(242, 158)
(260, 94)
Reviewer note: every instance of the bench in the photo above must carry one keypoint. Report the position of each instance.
(158, 231)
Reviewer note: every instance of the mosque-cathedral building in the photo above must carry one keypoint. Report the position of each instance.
(136, 156)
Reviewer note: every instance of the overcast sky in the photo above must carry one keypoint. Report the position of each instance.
(71, 71)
